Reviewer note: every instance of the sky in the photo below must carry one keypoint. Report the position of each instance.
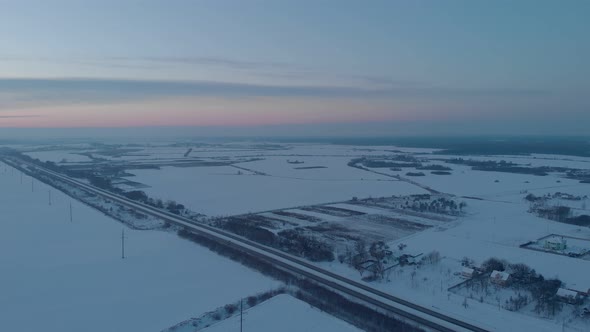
(297, 67)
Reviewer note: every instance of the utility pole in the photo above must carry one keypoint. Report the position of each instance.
(241, 314)
(71, 218)
(21, 177)
(49, 191)
(123, 243)
(32, 184)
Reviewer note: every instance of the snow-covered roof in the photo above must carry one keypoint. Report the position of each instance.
(467, 270)
(498, 275)
(562, 292)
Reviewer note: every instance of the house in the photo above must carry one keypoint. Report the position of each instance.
(555, 244)
(467, 272)
(500, 278)
(569, 296)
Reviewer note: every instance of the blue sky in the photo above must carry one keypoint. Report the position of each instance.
(252, 63)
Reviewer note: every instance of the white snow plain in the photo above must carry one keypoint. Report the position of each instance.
(220, 191)
(286, 314)
(57, 275)
(495, 225)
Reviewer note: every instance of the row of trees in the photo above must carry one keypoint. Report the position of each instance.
(440, 205)
(105, 183)
(140, 196)
(540, 206)
(295, 241)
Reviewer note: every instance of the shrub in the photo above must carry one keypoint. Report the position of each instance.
(230, 308)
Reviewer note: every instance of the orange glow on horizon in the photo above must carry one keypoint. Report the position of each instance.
(210, 112)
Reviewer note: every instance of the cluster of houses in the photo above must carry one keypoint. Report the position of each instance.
(502, 278)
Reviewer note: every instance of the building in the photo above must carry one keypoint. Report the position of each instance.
(467, 272)
(569, 296)
(500, 278)
(555, 244)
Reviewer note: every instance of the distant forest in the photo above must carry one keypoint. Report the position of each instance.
(574, 146)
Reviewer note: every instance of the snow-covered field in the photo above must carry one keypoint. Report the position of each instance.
(283, 313)
(62, 276)
(286, 176)
(221, 191)
(58, 156)
(466, 182)
(491, 229)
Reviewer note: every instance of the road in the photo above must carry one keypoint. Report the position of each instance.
(425, 317)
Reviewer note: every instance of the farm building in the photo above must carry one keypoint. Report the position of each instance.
(569, 296)
(500, 278)
(467, 272)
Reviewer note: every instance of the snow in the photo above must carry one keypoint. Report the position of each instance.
(496, 224)
(220, 191)
(286, 314)
(466, 182)
(62, 276)
(533, 160)
(58, 156)
(494, 227)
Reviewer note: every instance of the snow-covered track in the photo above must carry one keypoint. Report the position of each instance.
(423, 316)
